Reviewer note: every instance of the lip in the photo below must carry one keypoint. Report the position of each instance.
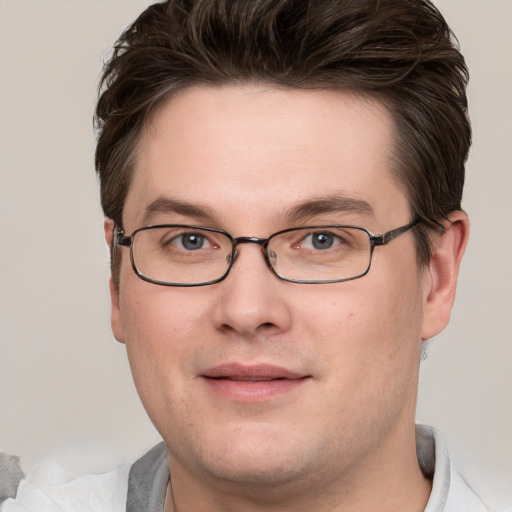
(252, 383)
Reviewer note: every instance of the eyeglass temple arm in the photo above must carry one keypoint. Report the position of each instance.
(385, 238)
(121, 239)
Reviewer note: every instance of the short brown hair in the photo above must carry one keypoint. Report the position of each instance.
(401, 51)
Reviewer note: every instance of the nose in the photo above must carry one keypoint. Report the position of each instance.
(252, 299)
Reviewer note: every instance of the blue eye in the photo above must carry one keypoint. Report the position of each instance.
(191, 241)
(321, 240)
(178, 239)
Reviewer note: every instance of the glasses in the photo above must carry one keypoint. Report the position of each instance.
(182, 255)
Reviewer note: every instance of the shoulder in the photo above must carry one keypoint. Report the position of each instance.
(475, 491)
(455, 491)
(71, 483)
(463, 497)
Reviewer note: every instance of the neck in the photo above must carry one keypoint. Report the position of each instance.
(388, 481)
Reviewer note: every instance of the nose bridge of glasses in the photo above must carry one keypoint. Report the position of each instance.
(262, 242)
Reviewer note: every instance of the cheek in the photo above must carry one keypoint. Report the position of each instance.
(158, 316)
(163, 330)
(366, 330)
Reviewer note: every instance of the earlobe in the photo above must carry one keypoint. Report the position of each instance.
(115, 315)
(442, 273)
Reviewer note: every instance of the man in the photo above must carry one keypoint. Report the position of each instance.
(282, 184)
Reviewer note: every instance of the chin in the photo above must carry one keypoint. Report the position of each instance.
(258, 459)
(260, 472)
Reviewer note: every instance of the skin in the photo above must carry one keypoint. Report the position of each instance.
(342, 439)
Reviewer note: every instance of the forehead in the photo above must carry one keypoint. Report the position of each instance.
(260, 150)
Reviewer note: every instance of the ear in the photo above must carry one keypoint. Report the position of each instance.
(442, 273)
(115, 314)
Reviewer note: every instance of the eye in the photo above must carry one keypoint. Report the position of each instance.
(321, 240)
(190, 241)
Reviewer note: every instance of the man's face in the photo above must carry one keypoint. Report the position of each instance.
(342, 358)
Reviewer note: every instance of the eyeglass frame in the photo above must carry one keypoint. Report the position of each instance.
(123, 240)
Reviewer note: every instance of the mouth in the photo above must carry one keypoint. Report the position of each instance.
(252, 383)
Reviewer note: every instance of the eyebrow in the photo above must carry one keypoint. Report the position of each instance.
(168, 205)
(297, 212)
(328, 204)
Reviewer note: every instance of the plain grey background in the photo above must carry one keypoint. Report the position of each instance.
(65, 380)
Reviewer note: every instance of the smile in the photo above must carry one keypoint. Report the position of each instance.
(258, 383)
